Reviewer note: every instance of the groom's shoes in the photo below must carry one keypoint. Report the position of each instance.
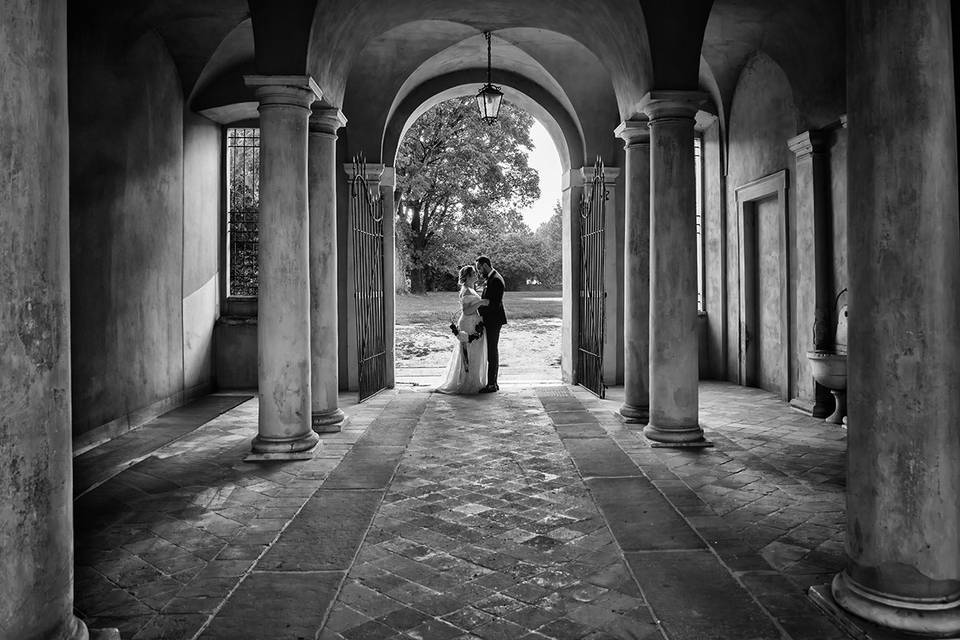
(490, 388)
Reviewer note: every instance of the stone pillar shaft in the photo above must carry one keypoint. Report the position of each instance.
(636, 294)
(903, 463)
(815, 314)
(570, 202)
(674, 373)
(283, 325)
(388, 182)
(326, 415)
(36, 479)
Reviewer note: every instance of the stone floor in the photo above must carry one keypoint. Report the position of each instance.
(531, 513)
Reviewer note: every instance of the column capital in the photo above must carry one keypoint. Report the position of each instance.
(327, 120)
(633, 132)
(808, 143)
(661, 105)
(610, 174)
(571, 178)
(373, 171)
(280, 91)
(389, 177)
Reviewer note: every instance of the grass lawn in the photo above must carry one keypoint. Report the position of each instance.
(436, 307)
(529, 344)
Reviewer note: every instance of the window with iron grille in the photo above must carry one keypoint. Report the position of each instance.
(243, 205)
(698, 170)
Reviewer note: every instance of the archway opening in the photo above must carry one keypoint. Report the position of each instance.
(463, 190)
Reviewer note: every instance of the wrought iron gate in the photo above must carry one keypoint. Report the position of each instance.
(366, 216)
(592, 294)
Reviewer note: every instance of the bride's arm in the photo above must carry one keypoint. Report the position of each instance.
(471, 302)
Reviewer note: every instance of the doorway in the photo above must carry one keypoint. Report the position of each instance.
(764, 299)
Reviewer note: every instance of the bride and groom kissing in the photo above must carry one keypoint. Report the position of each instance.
(475, 360)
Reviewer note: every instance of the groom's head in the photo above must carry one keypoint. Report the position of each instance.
(483, 265)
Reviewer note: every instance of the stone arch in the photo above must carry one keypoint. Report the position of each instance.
(562, 127)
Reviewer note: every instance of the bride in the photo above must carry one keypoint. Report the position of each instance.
(467, 372)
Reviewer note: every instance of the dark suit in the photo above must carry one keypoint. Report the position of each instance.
(493, 319)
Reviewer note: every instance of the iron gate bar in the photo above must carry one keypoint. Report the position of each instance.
(591, 294)
(366, 214)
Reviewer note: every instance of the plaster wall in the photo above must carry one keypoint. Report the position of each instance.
(135, 274)
(712, 362)
(201, 241)
(838, 209)
(763, 117)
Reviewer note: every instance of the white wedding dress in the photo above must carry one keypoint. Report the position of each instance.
(467, 372)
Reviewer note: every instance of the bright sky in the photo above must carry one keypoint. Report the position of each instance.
(545, 159)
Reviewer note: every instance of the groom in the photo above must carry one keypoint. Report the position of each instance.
(493, 319)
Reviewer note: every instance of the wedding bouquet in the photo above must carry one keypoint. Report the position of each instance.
(463, 336)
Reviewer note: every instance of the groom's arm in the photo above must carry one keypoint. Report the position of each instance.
(495, 292)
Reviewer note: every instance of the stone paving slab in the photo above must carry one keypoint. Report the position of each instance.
(297, 604)
(315, 541)
(698, 599)
(600, 457)
(101, 463)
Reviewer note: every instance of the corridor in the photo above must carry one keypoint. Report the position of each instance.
(532, 513)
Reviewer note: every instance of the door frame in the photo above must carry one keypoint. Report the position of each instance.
(748, 197)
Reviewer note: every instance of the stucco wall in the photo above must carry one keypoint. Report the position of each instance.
(201, 241)
(712, 359)
(838, 208)
(762, 118)
(131, 226)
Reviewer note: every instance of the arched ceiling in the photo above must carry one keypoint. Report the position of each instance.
(805, 38)
(612, 30)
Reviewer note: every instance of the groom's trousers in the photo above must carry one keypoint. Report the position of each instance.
(493, 353)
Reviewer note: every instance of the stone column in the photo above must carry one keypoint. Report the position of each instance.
(903, 461)
(674, 367)
(388, 182)
(36, 477)
(325, 415)
(814, 312)
(636, 272)
(283, 322)
(572, 188)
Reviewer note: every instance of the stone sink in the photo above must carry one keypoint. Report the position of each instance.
(829, 368)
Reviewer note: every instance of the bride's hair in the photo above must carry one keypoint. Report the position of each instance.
(466, 271)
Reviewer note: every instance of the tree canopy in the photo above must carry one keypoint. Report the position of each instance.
(461, 185)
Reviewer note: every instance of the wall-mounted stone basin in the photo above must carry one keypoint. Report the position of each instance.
(830, 369)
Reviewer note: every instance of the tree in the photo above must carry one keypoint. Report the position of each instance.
(457, 175)
(550, 233)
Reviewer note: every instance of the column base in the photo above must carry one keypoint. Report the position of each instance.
(301, 448)
(330, 421)
(676, 436)
(923, 617)
(635, 414)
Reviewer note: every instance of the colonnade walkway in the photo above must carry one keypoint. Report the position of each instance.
(530, 513)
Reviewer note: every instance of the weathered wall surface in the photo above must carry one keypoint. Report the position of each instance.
(712, 358)
(143, 231)
(838, 208)
(201, 240)
(762, 118)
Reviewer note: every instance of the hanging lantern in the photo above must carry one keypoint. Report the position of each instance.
(489, 96)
